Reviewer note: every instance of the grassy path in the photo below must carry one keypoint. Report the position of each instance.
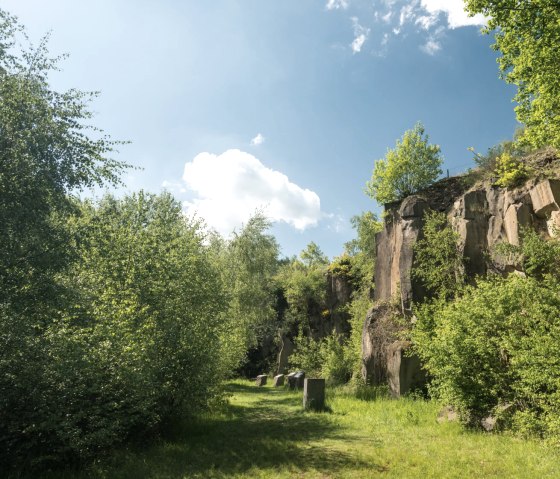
(263, 433)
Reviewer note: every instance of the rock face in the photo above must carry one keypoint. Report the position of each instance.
(404, 372)
(403, 227)
(483, 216)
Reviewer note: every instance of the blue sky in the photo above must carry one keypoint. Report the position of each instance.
(285, 105)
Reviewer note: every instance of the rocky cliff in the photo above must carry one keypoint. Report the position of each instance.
(483, 215)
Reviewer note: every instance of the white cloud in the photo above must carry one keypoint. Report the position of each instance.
(358, 43)
(360, 36)
(387, 17)
(230, 187)
(258, 140)
(407, 13)
(426, 21)
(456, 15)
(431, 47)
(336, 4)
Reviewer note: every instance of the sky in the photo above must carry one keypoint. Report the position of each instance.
(280, 106)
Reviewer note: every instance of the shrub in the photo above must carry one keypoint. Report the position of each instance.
(325, 358)
(511, 171)
(496, 345)
(438, 262)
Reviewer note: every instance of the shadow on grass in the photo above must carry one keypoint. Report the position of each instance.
(267, 434)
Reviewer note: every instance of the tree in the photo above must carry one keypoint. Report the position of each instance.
(313, 256)
(412, 166)
(47, 150)
(527, 35)
(249, 261)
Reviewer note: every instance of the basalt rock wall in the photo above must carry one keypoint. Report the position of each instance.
(483, 216)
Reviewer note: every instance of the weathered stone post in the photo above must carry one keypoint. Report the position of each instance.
(314, 394)
(278, 380)
(261, 380)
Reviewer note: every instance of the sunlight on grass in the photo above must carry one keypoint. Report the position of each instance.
(264, 433)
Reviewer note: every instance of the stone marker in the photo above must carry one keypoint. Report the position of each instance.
(261, 380)
(314, 394)
(278, 380)
(295, 380)
(290, 380)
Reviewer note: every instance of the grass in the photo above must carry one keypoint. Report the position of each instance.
(263, 433)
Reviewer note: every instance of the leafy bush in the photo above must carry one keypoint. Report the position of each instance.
(307, 355)
(412, 166)
(511, 171)
(135, 341)
(536, 256)
(496, 345)
(325, 358)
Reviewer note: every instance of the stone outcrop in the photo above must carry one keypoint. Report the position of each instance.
(483, 216)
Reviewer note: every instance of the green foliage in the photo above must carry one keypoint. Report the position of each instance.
(307, 355)
(488, 162)
(304, 289)
(136, 338)
(47, 150)
(537, 256)
(510, 171)
(438, 262)
(527, 36)
(362, 249)
(248, 263)
(357, 309)
(361, 439)
(495, 345)
(325, 358)
(412, 166)
(312, 256)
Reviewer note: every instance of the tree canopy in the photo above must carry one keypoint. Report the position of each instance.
(412, 165)
(527, 35)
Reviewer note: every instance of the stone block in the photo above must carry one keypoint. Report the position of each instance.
(278, 380)
(517, 216)
(545, 197)
(314, 394)
(261, 380)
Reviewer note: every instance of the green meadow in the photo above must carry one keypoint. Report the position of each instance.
(264, 433)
